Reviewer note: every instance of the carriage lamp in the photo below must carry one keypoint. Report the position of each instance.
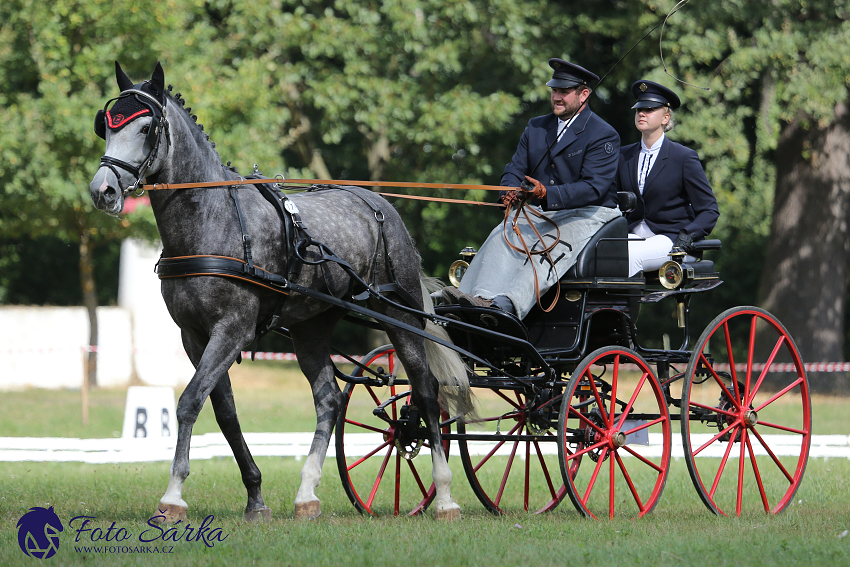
(458, 267)
(671, 274)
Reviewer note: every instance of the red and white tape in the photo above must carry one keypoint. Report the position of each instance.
(289, 356)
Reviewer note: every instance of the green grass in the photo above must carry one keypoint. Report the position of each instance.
(679, 531)
(275, 397)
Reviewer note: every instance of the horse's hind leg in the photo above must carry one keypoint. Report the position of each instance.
(225, 414)
(411, 350)
(312, 346)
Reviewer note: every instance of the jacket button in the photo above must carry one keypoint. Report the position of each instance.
(551, 182)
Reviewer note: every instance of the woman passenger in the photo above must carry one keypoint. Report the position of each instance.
(675, 204)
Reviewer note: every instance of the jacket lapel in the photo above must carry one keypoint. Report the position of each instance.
(631, 166)
(576, 128)
(659, 164)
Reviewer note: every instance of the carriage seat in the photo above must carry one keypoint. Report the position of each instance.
(606, 254)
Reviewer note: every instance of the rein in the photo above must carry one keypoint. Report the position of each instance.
(529, 253)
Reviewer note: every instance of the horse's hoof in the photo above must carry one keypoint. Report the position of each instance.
(308, 510)
(169, 513)
(448, 515)
(264, 514)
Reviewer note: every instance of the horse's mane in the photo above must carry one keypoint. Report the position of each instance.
(198, 130)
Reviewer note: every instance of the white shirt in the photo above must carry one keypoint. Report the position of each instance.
(562, 126)
(646, 160)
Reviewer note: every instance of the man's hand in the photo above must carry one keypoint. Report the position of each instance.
(511, 197)
(537, 190)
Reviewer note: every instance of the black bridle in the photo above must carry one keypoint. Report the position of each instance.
(158, 125)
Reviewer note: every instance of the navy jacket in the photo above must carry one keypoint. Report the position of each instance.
(676, 194)
(580, 169)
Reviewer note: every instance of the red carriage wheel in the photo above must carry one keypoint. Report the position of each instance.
(378, 455)
(514, 470)
(614, 415)
(746, 414)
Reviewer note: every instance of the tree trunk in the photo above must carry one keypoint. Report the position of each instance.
(804, 280)
(90, 302)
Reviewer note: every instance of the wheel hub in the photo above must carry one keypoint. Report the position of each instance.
(618, 439)
(751, 418)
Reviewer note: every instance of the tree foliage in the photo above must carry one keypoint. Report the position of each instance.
(413, 90)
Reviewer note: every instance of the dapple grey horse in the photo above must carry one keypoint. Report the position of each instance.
(149, 134)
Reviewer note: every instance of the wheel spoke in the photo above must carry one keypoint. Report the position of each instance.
(631, 485)
(611, 472)
(735, 423)
(379, 478)
(366, 426)
(646, 425)
(583, 418)
(507, 399)
(750, 354)
(585, 450)
(545, 469)
(415, 473)
(614, 380)
(397, 485)
(599, 402)
(765, 370)
(722, 466)
(641, 458)
(743, 442)
(733, 372)
(496, 448)
(527, 476)
(735, 400)
(368, 455)
(714, 410)
(758, 476)
(507, 472)
(783, 427)
(781, 393)
(593, 476)
(774, 457)
(373, 396)
(631, 403)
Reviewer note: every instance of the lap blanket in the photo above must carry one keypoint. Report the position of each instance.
(499, 270)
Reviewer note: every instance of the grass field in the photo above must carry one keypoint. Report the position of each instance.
(274, 397)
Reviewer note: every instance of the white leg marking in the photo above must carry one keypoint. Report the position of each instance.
(442, 476)
(311, 475)
(174, 492)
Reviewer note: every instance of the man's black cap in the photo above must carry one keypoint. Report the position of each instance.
(568, 75)
(653, 95)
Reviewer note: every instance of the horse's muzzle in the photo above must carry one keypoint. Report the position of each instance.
(105, 191)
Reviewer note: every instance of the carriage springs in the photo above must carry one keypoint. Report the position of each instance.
(206, 533)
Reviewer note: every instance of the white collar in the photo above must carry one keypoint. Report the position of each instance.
(655, 147)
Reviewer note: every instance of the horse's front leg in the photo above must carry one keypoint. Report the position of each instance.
(211, 364)
(313, 350)
(225, 415)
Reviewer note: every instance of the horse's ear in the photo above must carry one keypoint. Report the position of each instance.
(158, 83)
(124, 81)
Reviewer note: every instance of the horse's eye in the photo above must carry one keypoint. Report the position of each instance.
(145, 129)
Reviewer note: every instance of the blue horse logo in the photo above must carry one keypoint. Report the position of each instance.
(38, 532)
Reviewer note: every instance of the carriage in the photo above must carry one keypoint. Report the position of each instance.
(572, 404)
(571, 390)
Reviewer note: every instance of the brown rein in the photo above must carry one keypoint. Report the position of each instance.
(521, 208)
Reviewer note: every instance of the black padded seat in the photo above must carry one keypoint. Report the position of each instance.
(606, 254)
(700, 267)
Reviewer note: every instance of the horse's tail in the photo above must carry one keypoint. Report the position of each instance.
(445, 363)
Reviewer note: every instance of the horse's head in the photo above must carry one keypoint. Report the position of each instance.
(134, 129)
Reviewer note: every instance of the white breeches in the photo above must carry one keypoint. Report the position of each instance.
(649, 254)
